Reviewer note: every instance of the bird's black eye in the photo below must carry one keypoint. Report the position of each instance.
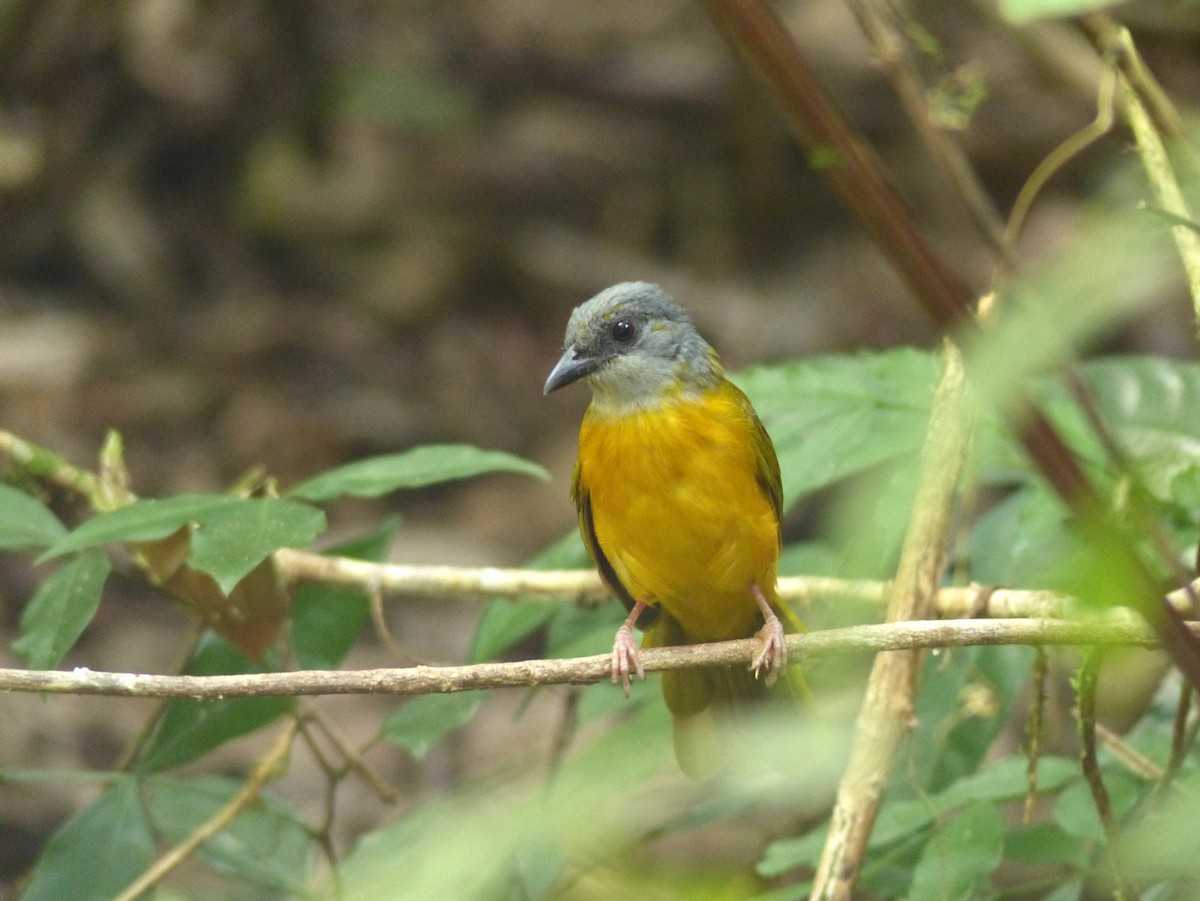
(624, 331)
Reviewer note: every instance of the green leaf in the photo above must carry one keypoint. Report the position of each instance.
(25, 522)
(505, 622)
(961, 855)
(265, 844)
(1001, 781)
(229, 541)
(1153, 404)
(327, 619)
(145, 520)
(60, 610)
(415, 468)
(1045, 843)
(833, 416)
(1005, 780)
(1020, 12)
(231, 535)
(419, 722)
(98, 852)
(189, 729)
(1075, 809)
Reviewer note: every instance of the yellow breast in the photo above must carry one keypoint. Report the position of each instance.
(680, 509)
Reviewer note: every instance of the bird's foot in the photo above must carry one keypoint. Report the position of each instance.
(774, 653)
(625, 662)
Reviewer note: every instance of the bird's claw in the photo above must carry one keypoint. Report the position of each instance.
(625, 662)
(773, 654)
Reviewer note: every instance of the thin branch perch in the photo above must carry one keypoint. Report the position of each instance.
(584, 586)
(1118, 629)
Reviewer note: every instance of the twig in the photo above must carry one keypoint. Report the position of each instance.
(1059, 157)
(1036, 714)
(875, 19)
(1120, 628)
(1086, 688)
(584, 586)
(1126, 755)
(353, 760)
(264, 771)
(886, 715)
(1149, 112)
(1180, 743)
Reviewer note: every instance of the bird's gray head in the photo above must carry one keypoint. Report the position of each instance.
(636, 347)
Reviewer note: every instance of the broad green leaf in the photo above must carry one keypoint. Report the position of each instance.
(961, 855)
(98, 852)
(1153, 404)
(833, 416)
(1001, 781)
(60, 610)
(231, 535)
(419, 722)
(145, 520)
(327, 619)
(1164, 844)
(1005, 780)
(1020, 12)
(579, 632)
(416, 468)
(1075, 809)
(229, 541)
(25, 522)
(265, 844)
(189, 729)
(982, 709)
(1045, 843)
(505, 622)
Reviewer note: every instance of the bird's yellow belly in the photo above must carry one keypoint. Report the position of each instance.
(678, 512)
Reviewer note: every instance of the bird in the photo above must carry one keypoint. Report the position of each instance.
(679, 497)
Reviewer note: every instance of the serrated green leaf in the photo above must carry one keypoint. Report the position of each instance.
(327, 619)
(833, 416)
(961, 855)
(231, 540)
(419, 722)
(189, 729)
(98, 852)
(61, 609)
(1153, 405)
(232, 535)
(265, 844)
(25, 522)
(416, 468)
(145, 520)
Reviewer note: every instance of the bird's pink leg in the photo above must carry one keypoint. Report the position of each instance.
(625, 660)
(773, 653)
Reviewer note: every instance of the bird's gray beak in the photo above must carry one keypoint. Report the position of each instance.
(571, 367)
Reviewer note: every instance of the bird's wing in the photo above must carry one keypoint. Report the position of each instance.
(587, 528)
(766, 464)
